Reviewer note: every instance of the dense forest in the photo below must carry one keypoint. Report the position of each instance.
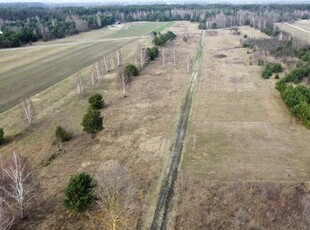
(22, 25)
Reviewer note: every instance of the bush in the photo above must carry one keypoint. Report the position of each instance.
(248, 52)
(152, 53)
(96, 101)
(251, 63)
(2, 140)
(261, 62)
(80, 192)
(184, 39)
(277, 76)
(62, 135)
(267, 73)
(131, 70)
(276, 68)
(297, 75)
(161, 39)
(270, 69)
(92, 122)
(245, 36)
(202, 26)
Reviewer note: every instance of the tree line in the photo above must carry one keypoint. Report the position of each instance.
(22, 25)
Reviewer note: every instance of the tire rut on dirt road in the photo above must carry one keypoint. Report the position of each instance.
(167, 186)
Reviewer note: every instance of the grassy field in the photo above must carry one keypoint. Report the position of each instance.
(246, 159)
(137, 134)
(297, 32)
(239, 123)
(141, 29)
(28, 71)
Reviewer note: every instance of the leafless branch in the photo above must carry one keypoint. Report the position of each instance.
(124, 80)
(17, 184)
(141, 57)
(28, 109)
(119, 198)
(79, 86)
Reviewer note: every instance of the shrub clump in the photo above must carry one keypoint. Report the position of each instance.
(2, 140)
(296, 75)
(161, 39)
(62, 135)
(261, 62)
(270, 69)
(152, 53)
(96, 101)
(80, 192)
(131, 70)
(297, 100)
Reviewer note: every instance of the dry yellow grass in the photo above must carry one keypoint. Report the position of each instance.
(296, 32)
(245, 163)
(240, 128)
(138, 133)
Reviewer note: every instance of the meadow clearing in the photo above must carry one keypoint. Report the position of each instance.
(244, 152)
(299, 29)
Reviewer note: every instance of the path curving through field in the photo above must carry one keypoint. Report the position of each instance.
(298, 28)
(167, 186)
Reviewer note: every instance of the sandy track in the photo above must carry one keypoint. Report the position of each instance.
(168, 182)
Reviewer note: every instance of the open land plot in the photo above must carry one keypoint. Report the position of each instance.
(138, 133)
(244, 152)
(141, 28)
(299, 29)
(28, 71)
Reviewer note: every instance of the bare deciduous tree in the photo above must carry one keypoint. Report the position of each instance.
(141, 57)
(16, 185)
(28, 109)
(106, 63)
(119, 57)
(6, 217)
(124, 80)
(79, 86)
(93, 79)
(118, 198)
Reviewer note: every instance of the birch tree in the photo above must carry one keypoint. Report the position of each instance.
(124, 80)
(6, 216)
(93, 78)
(119, 57)
(141, 57)
(17, 183)
(106, 63)
(118, 198)
(28, 109)
(79, 86)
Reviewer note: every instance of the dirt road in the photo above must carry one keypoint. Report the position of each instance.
(167, 185)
